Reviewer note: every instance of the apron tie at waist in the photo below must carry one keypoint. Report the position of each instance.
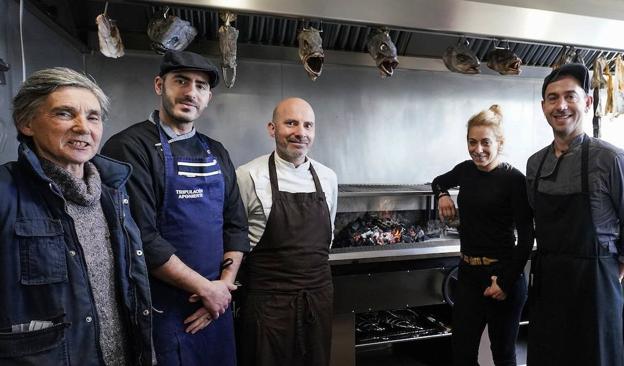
(304, 316)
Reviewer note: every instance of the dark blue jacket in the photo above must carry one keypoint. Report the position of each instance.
(43, 274)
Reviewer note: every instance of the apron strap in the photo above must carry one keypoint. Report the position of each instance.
(170, 169)
(273, 177)
(584, 164)
(538, 173)
(317, 183)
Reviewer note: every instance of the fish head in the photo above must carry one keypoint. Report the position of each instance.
(4, 66)
(228, 35)
(565, 57)
(504, 61)
(578, 57)
(170, 33)
(311, 51)
(461, 59)
(384, 52)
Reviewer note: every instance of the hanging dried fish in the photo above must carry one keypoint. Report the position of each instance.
(461, 59)
(108, 35)
(610, 103)
(4, 67)
(228, 36)
(619, 71)
(568, 55)
(504, 61)
(311, 51)
(565, 57)
(578, 57)
(599, 84)
(618, 87)
(384, 52)
(598, 80)
(169, 32)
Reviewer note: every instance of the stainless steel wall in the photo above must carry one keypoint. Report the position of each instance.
(405, 129)
(42, 47)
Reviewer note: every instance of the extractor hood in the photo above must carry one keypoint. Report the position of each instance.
(419, 28)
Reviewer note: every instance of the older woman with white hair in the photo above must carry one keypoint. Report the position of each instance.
(73, 282)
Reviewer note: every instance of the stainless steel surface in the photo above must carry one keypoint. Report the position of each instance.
(365, 292)
(385, 197)
(43, 47)
(434, 248)
(368, 203)
(359, 190)
(402, 130)
(420, 338)
(456, 16)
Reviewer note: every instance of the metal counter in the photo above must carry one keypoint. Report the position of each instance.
(434, 248)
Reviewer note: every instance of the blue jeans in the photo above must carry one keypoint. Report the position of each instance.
(473, 311)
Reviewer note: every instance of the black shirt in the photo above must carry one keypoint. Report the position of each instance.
(491, 204)
(139, 145)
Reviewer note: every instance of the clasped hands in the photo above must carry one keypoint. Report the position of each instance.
(215, 297)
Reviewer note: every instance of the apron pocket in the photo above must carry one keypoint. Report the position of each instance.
(40, 347)
(42, 251)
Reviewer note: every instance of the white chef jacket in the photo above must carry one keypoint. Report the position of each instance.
(255, 188)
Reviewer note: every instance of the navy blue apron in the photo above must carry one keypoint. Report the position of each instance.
(191, 219)
(575, 296)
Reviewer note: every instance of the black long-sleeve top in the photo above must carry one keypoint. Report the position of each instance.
(491, 205)
(139, 145)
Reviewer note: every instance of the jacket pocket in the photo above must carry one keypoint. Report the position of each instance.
(42, 251)
(45, 347)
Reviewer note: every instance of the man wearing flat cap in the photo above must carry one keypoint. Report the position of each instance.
(184, 195)
(576, 188)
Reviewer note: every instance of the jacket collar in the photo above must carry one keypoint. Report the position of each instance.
(112, 172)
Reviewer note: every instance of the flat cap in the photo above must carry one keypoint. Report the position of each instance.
(577, 71)
(184, 60)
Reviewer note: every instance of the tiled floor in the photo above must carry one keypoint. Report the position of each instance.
(432, 352)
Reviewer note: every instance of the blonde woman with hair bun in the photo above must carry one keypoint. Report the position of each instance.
(492, 200)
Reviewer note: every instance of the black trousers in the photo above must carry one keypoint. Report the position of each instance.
(473, 311)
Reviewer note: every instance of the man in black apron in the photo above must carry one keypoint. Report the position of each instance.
(185, 197)
(287, 306)
(576, 190)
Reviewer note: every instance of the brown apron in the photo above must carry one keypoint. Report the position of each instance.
(287, 309)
